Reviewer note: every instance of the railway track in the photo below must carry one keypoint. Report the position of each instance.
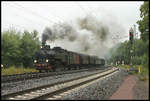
(60, 88)
(27, 76)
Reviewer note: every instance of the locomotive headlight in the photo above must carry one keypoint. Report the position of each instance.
(41, 47)
(35, 61)
(46, 60)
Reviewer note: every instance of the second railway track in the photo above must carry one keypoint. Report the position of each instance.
(27, 76)
(44, 92)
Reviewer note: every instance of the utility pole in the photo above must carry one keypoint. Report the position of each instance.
(135, 34)
(131, 38)
(134, 39)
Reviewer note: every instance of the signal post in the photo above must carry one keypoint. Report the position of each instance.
(131, 37)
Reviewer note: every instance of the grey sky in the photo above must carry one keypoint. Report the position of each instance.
(12, 14)
(38, 15)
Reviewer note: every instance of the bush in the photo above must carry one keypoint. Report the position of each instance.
(145, 61)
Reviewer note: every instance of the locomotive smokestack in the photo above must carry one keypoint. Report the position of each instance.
(43, 42)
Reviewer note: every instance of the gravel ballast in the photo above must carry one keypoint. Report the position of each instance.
(100, 90)
(141, 90)
(7, 88)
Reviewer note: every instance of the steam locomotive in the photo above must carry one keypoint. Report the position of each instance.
(58, 59)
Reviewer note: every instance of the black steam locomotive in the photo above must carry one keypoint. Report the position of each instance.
(58, 59)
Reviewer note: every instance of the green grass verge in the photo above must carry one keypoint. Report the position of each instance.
(124, 66)
(144, 75)
(16, 70)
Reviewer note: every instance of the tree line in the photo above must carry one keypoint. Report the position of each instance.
(123, 53)
(17, 48)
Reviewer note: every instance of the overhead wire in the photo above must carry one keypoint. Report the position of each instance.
(62, 19)
(15, 24)
(95, 14)
(27, 19)
(36, 14)
(82, 8)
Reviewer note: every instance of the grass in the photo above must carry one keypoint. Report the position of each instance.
(143, 76)
(16, 70)
(124, 66)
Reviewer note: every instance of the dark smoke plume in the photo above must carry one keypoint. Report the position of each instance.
(59, 32)
(98, 29)
(86, 35)
(47, 35)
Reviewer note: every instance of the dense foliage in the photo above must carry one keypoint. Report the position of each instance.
(122, 53)
(144, 22)
(18, 48)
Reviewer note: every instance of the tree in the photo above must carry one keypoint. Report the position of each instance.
(29, 45)
(18, 48)
(10, 47)
(144, 29)
(122, 53)
(144, 22)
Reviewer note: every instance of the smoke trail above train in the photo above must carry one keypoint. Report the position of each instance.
(84, 35)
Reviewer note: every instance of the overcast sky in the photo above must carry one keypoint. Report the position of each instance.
(38, 15)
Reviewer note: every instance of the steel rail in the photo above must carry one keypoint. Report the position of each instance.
(27, 76)
(54, 85)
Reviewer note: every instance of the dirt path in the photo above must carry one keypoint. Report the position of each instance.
(126, 89)
(131, 89)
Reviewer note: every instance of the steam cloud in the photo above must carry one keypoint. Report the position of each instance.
(86, 35)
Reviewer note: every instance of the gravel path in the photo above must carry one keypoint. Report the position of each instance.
(141, 90)
(7, 88)
(100, 90)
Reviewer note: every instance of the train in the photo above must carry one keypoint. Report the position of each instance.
(58, 59)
